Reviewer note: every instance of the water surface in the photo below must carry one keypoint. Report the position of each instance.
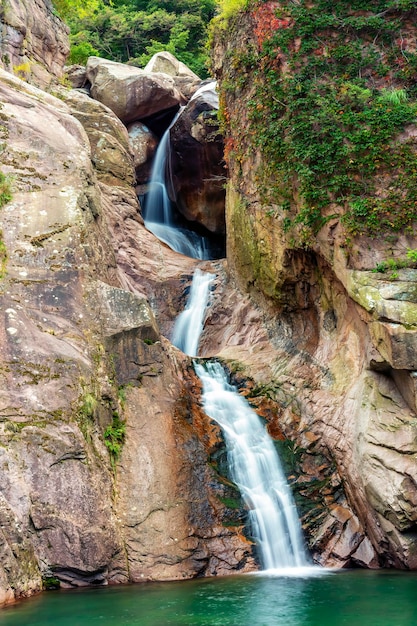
(359, 598)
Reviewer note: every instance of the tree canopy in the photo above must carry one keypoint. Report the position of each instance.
(131, 31)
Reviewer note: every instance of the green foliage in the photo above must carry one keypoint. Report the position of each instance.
(5, 197)
(114, 437)
(412, 255)
(80, 52)
(89, 405)
(132, 30)
(230, 7)
(51, 583)
(3, 256)
(80, 8)
(5, 189)
(393, 265)
(328, 124)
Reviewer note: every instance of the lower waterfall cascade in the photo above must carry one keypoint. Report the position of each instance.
(254, 464)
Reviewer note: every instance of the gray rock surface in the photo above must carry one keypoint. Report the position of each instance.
(131, 93)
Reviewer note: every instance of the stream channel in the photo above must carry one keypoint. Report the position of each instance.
(288, 591)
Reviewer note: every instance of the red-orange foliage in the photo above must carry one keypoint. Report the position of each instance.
(266, 22)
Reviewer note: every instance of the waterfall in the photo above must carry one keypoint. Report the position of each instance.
(255, 468)
(254, 463)
(158, 213)
(189, 323)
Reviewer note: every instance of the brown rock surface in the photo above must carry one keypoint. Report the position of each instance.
(197, 174)
(130, 92)
(143, 144)
(34, 42)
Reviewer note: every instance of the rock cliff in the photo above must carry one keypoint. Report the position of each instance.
(33, 40)
(111, 472)
(93, 396)
(339, 355)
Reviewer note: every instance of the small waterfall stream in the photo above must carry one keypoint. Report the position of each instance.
(158, 212)
(253, 461)
(189, 324)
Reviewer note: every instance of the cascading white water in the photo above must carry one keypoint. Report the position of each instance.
(189, 323)
(256, 470)
(254, 463)
(158, 213)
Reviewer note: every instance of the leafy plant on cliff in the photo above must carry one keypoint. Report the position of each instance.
(3, 256)
(230, 7)
(335, 90)
(393, 265)
(114, 437)
(5, 197)
(5, 189)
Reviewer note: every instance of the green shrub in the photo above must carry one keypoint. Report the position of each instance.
(331, 93)
(80, 52)
(114, 437)
(230, 7)
(5, 189)
(3, 256)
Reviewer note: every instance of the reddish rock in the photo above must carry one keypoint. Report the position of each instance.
(143, 144)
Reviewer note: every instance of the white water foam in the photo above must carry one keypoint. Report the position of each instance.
(256, 470)
(189, 324)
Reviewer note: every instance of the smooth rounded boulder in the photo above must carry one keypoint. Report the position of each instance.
(186, 81)
(143, 144)
(130, 92)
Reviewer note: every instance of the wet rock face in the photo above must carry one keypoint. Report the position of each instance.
(196, 169)
(170, 520)
(34, 42)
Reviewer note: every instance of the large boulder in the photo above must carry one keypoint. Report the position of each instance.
(132, 93)
(185, 80)
(143, 144)
(34, 42)
(110, 148)
(197, 173)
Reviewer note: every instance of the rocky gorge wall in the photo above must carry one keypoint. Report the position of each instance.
(339, 354)
(33, 40)
(111, 472)
(104, 448)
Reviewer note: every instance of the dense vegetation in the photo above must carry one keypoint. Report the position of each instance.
(335, 87)
(133, 30)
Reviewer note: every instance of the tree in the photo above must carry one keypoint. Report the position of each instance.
(133, 30)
